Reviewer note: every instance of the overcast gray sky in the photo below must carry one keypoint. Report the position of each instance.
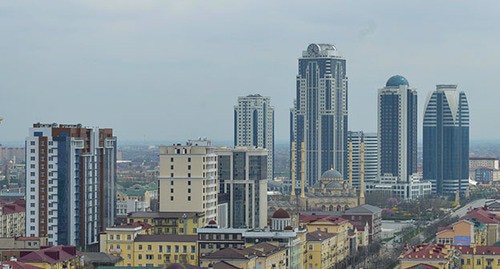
(172, 70)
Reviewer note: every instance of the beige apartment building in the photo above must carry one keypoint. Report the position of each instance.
(188, 179)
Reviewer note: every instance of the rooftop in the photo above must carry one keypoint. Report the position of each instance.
(166, 238)
(318, 236)
(50, 255)
(427, 251)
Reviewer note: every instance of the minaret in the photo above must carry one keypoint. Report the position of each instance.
(303, 170)
(362, 174)
(350, 164)
(293, 175)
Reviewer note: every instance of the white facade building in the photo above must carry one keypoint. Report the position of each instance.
(188, 179)
(254, 125)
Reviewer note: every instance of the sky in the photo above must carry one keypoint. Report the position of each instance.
(172, 70)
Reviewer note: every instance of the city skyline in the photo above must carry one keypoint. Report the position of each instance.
(131, 56)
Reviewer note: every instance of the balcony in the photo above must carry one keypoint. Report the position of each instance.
(115, 250)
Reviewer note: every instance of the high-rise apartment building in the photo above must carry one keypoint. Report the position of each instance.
(363, 153)
(446, 140)
(243, 178)
(70, 183)
(397, 129)
(254, 126)
(319, 117)
(188, 179)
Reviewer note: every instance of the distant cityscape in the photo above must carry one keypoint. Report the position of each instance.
(330, 197)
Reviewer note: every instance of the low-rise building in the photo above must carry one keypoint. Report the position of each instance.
(478, 257)
(463, 233)
(169, 222)
(490, 220)
(212, 238)
(439, 256)
(13, 246)
(137, 248)
(12, 219)
(260, 256)
(414, 189)
(333, 225)
(369, 214)
(320, 249)
(233, 257)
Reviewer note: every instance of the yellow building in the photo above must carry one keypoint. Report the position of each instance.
(57, 257)
(119, 240)
(438, 256)
(140, 249)
(478, 257)
(333, 225)
(169, 222)
(462, 232)
(320, 248)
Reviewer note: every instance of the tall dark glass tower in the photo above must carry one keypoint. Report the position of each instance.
(318, 132)
(446, 140)
(397, 129)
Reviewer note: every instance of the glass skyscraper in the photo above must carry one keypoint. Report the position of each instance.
(397, 129)
(318, 120)
(446, 140)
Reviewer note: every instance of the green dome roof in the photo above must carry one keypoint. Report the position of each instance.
(396, 81)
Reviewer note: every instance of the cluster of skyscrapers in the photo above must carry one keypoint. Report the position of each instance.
(320, 140)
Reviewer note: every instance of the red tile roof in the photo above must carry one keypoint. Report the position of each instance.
(50, 255)
(480, 250)
(426, 251)
(422, 266)
(482, 216)
(17, 265)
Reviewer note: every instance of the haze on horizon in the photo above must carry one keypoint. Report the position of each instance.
(172, 70)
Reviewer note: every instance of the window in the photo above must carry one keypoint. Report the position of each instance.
(110, 237)
(172, 175)
(140, 247)
(171, 198)
(171, 190)
(172, 167)
(160, 248)
(149, 247)
(169, 249)
(149, 257)
(32, 143)
(189, 182)
(184, 249)
(189, 190)
(189, 198)
(189, 159)
(172, 182)
(176, 249)
(189, 167)
(117, 237)
(140, 257)
(478, 262)
(189, 174)
(32, 150)
(171, 159)
(193, 249)
(129, 237)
